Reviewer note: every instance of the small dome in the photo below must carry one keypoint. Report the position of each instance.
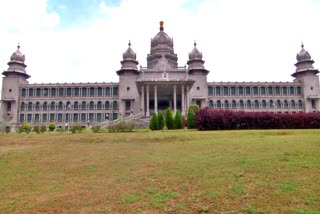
(303, 55)
(129, 54)
(162, 40)
(17, 56)
(195, 53)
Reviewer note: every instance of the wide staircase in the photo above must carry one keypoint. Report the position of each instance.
(141, 122)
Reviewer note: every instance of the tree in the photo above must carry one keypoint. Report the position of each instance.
(178, 120)
(154, 122)
(160, 120)
(190, 119)
(169, 120)
(26, 128)
(52, 126)
(43, 128)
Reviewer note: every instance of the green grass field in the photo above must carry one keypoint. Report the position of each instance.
(273, 171)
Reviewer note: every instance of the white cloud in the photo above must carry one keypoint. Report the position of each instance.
(245, 40)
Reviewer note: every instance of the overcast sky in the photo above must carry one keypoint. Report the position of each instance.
(83, 40)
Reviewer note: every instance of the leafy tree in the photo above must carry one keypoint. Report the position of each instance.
(26, 128)
(36, 128)
(43, 128)
(190, 118)
(160, 120)
(178, 124)
(154, 122)
(52, 126)
(169, 119)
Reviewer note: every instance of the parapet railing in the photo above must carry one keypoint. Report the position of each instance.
(110, 122)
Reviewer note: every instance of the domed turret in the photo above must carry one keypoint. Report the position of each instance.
(16, 64)
(195, 61)
(129, 62)
(162, 51)
(304, 63)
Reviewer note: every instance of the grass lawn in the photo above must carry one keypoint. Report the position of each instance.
(272, 171)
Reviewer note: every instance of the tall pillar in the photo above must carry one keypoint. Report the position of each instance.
(187, 99)
(148, 112)
(156, 99)
(182, 101)
(175, 99)
(142, 101)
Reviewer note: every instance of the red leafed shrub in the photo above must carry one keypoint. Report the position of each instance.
(209, 119)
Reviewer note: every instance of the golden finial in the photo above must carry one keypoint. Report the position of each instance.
(129, 44)
(302, 45)
(161, 25)
(18, 45)
(195, 43)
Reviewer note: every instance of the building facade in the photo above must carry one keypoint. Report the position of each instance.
(144, 90)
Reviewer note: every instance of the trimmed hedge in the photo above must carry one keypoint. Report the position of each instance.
(209, 119)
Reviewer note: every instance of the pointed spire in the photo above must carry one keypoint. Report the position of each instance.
(302, 45)
(18, 46)
(161, 25)
(129, 44)
(195, 43)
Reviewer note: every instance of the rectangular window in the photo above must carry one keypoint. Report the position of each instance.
(29, 117)
(233, 91)
(44, 117)
(69, 92)
(115, 91)
(299, 91)
(45, 92)
(83, 116)
(76, 92)
(51, 117)
(100, 92)
(263, 90)
(38, 92)
(108, 92)
(210, 91)
(75, 117)
(99, 117)
(247, 90)
(291, 90)
(60, 92)
(53, 92)
(59, 117)
(91, 92)
(67, 117)
(277, 90)
(225, 91)
(240, 90)
(270, 91)
(36, 117)
(23, 92)
(114, 116)
(91, 118)
(218, 90)
(84, 92)
(21, 117)
(30, 92)
(284, 90)
(255, 90)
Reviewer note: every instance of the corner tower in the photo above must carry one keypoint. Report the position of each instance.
(307, 75)
(14, 77)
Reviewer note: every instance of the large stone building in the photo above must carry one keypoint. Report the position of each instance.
(144, 90)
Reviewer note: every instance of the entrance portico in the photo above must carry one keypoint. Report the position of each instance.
(157, 96)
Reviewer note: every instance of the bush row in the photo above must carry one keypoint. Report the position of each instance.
(209, 119)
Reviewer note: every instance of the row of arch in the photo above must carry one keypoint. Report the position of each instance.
(52, 106)
(256, 104)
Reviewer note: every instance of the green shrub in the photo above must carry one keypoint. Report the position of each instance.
(52, 126)
(75, 127)
(95, 129)
(43, 128)
(36, 128)
(169, 119)
(190, 119)
(178, 123)
(194, 108)
(154, 124)
(160, 120)
(26, 128)
(122, 126)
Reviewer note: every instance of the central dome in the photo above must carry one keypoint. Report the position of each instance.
(161, 42)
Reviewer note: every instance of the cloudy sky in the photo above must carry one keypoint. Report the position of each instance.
(83, 40)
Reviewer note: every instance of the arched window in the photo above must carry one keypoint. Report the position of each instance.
(218, 104)
(271, 104)
(52, 106)
(99, 105)
(248, 103)
(241, 104)
(91, 105)
(107, 105)
(234, 104)
(211, 104)
(30, 106)
(22, 106)
(256, 104)
(300, 104)
(264, 104)
(68, 105)
(278, 104)
(37, 106)
(76, 105)
(286, 104)
(45, 106)
(293, 104)
(84, 105)
(115, 105)
(226, 104)
(60, 106)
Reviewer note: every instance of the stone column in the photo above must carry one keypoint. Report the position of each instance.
(142, 101)
(148, 112)
(182, 101)
(155, 99)
(175, 99)
(187, 99)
